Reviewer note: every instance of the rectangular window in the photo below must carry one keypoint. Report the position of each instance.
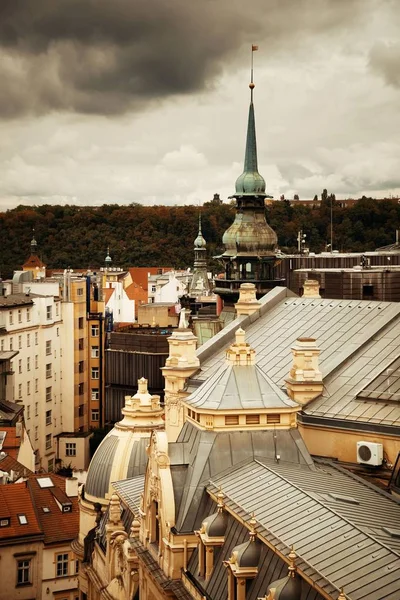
(49, 312)
(95, 415)
(23, 572)
(28, 314)
(11, 343)
(95, 372)
(28, 388)
(58, 331)
(272, 418)
(79, 292)
(20, 365)
(95, 352)
(36, 385)
(48, 347)
(62, 564)
(50, 465)
(57, 309)
(36, 361)
(81, 344)
(232, 420)
(48, 417)
(28, 340)
(81, 366)
(70, 449)
(81, 389)
(11, 317)
(19, 316)
(36, 338)
(81, 410)
(80, 323)
(36, 409)
(48, 441)
(20, 391)
(48, 394)
(36, 433)
(28, 412)
(2, 345)
(94, 330)
(20, 342)
(95, 394)
(28, 364)
(48, 370)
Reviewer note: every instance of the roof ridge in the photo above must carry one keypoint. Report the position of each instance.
(328, 508)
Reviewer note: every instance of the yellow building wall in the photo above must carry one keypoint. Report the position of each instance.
(342, 445)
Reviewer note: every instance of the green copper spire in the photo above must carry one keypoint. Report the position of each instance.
(250, 182)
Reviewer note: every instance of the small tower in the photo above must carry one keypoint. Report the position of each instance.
(199, 286)
(34, 264)
(250, 243)
(108, 259)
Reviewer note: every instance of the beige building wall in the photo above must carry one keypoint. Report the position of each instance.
(342, 445)
(9, 557)
(62, 586)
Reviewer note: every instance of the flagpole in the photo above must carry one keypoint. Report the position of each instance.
(253, 49)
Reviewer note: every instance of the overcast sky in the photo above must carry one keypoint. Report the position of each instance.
(146, 100)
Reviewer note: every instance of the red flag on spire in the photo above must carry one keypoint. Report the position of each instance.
(254, 48)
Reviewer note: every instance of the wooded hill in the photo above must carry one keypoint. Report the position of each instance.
(72, 236)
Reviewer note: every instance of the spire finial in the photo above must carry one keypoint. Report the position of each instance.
(292, 564)
(250, 182)
(253, 523)
(33, 242)
(108, 259)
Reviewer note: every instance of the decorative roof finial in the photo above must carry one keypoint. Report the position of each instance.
(342, 595)
(200, 242)
(253, 523)
(108, 259)
(33, 242)
(220, 504)
(250, 182)
(292, 562)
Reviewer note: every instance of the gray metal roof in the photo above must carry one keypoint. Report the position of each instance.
(199, 455)
(239, 387)
(358, 339)
(130, 491)
(99, 472)
(335, 548)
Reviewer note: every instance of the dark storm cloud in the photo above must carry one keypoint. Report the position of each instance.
(385, 61)
(112, 56)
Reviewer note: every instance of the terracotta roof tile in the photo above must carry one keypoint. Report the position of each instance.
(15, 500)
(11, 442)
(33, 262)
(8, 464)
(108, 292)
(57, 526)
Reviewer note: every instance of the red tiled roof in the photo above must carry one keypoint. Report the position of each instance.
(108, 292)
(56, 525)
(11, 442)
(33, 262)
(8, 464)
(15, 500)
(136, 292)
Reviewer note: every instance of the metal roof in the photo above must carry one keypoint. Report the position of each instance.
(335, 549)
(358, 339)
(130, 491)
(199, 455)
(239, 387)
(99, 472)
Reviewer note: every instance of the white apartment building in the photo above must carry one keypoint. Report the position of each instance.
(169, 286)
(33, 326)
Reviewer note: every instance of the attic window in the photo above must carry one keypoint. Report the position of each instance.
(231, 419)
(252, 419)
(341, 498)
(4, 522)
(273, 418)
(22, 520)
(66, 508)
(45, 482)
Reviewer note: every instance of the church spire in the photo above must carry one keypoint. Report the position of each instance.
(33, 244)
(250, 182)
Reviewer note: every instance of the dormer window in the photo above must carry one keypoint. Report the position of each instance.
(243, 564)
(5, 522)
(211, 535)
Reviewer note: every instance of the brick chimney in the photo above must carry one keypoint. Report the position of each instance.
(304, 382)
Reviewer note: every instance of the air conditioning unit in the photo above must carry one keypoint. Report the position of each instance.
(370, 453)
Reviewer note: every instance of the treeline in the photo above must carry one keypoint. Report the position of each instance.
(71, 236)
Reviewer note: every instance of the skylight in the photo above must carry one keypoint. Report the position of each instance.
(22, 520)
(45, 482)
(46, 509)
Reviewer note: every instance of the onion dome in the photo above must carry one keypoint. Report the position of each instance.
(108, 259)
(215, 525)
(200, 242)
(288, 588)
(247, 555)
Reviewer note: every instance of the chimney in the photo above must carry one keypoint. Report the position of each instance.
(71, 486)
(311, 289)
(304, 382)
(240, 352)
(247, 303)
